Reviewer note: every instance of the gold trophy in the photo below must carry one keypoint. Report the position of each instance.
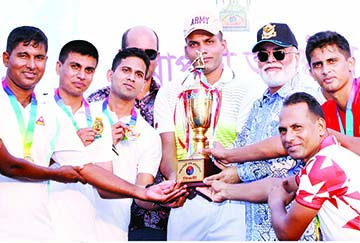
(201, 106)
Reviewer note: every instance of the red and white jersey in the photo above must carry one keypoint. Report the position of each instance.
(330, 183)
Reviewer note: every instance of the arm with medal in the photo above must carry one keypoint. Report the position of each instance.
(23, 169)
(100, 175)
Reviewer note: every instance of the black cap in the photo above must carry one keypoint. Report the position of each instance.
(276, 33)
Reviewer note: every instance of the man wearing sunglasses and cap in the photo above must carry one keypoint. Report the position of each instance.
(278, 58)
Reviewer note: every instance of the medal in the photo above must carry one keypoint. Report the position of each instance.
(27, 132)
(98, 126)
(28, 158)
(131, 134)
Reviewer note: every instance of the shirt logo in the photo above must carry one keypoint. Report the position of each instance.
(40, 121)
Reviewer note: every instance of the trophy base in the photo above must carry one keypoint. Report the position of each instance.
(193, 171)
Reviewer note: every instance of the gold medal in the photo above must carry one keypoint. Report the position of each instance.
(98, 126)
(132, 133)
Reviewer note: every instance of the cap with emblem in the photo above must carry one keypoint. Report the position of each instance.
(276, 33)
(203, 20)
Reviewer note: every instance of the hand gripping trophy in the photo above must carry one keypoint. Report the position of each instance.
(201, 104)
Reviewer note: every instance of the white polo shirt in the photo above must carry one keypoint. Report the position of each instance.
(72, 205)
(24, 205)
(199, 219)
(141, 155)
(236, 102)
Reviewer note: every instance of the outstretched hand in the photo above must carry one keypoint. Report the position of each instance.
(177, 202)
(215, 191)
(228, 174)
(216, 184)
(218, 152)
(165, 192)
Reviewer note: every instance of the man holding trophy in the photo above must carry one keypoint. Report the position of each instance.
(212, 103)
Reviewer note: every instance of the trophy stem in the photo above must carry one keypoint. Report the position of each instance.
(199, 139)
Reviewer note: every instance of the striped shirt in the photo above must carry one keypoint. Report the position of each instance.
(236, 102)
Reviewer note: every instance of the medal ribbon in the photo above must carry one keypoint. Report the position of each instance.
(105, 110)
(133, 118)
(186, 145)
(28, 133)
(349, 116)
(61, 104)
(202, 78)
(215, 94)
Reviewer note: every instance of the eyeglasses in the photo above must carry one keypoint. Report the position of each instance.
(279, 55)
(152, 54)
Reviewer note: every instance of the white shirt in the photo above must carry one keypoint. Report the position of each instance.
(72, 205)
(236, 102)
(141, 155)
(23, 205)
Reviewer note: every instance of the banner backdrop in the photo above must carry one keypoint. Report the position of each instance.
(103, 22)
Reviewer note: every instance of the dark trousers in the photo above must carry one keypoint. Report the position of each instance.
(147, 234)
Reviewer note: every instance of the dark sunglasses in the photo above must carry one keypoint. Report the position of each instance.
(152, 54)
(279, 55)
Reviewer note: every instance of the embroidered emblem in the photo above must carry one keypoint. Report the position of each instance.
(268, 31)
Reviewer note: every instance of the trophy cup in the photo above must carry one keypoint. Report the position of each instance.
(201, 107)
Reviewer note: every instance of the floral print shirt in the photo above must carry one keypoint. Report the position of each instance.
(263, 123)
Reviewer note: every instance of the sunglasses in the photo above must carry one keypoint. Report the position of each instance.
(152, 54)
(279, 55)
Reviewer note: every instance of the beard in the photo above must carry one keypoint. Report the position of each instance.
(279, 78)
(273, 82)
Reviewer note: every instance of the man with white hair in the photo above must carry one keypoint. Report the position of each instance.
(278, 60)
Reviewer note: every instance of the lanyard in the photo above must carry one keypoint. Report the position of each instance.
(105, 110)
(61, 104)
(349, 117)
(27, 133)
